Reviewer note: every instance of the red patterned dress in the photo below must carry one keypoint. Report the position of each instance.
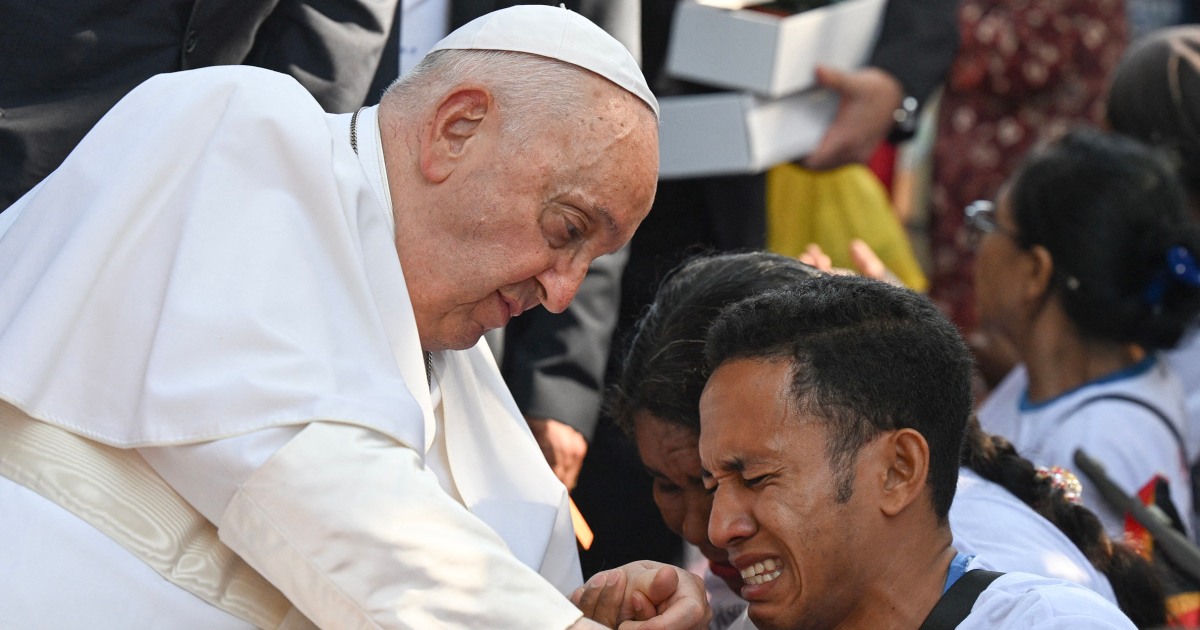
(1027, 70)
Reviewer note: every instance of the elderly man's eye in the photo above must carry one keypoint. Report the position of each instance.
(562, 229)
(572, 231)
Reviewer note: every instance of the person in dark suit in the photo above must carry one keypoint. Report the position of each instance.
(67, 63)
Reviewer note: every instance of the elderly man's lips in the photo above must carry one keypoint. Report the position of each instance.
(514, 307)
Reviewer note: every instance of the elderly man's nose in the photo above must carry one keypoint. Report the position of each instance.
(561, 283)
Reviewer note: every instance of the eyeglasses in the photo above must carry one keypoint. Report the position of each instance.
(981, 216)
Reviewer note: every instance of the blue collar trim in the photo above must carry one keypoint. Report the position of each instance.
(957, 568)
(1137, 369)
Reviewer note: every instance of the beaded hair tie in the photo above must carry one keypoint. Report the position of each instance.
(1065, 480)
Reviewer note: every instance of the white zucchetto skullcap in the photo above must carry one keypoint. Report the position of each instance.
(557, 33)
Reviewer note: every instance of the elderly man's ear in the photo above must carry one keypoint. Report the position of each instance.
(905, 455)
(456, 127)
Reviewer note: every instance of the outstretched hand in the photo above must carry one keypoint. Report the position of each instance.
(645, 595)
(866, 262)
(865, 116)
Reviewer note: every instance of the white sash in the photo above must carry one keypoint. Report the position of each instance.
(116, 491)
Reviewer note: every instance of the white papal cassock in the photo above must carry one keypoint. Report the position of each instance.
(210, 279)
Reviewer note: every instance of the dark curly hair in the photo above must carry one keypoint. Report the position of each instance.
(867, 357)
(1109, 210)
(663, 371)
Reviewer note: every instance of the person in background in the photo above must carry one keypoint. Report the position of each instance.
(1087, 266)
(1019, 517)
(656, 401)
(1155, 97)
(67, 63)
(266, 376)
(1025, 73)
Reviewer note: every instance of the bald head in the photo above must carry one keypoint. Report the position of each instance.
(519, 150)
(509, 174)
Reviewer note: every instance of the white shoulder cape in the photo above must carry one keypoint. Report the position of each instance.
(212, 260)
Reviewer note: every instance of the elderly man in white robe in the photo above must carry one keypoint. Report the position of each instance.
(240, 383)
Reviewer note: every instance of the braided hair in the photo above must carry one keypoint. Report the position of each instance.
(1140, 593)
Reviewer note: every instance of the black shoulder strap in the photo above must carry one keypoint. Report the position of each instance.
(1145, 405)
(956, 603)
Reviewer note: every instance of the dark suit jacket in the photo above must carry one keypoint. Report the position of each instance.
(917, 43)
(64, 63)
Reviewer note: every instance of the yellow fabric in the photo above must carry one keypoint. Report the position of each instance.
(831, 208)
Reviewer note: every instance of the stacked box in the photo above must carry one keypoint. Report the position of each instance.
(778, 115)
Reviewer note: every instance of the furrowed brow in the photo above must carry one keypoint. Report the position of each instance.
(733, 464)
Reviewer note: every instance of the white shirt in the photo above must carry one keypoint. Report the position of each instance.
(1132, 443)
(211, 278)
(993, 524)
(1020, 601)
(1185, 363)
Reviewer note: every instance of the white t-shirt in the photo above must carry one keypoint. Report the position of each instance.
(1185, 363)
(993, 524)
(1020, 601)
(1132, 442)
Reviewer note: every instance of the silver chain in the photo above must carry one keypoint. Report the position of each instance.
(354, 145)
(354, 130)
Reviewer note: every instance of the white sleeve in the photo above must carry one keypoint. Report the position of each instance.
(350, 526)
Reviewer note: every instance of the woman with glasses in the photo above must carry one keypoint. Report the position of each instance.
(1087, 264)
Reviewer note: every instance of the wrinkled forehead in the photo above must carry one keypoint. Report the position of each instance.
(611, 158)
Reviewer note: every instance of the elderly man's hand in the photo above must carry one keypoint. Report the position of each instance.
(645, 595)
(563, 446)
(865, 116)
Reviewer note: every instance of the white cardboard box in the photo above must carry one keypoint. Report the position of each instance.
(734, 132)
(769, 54)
